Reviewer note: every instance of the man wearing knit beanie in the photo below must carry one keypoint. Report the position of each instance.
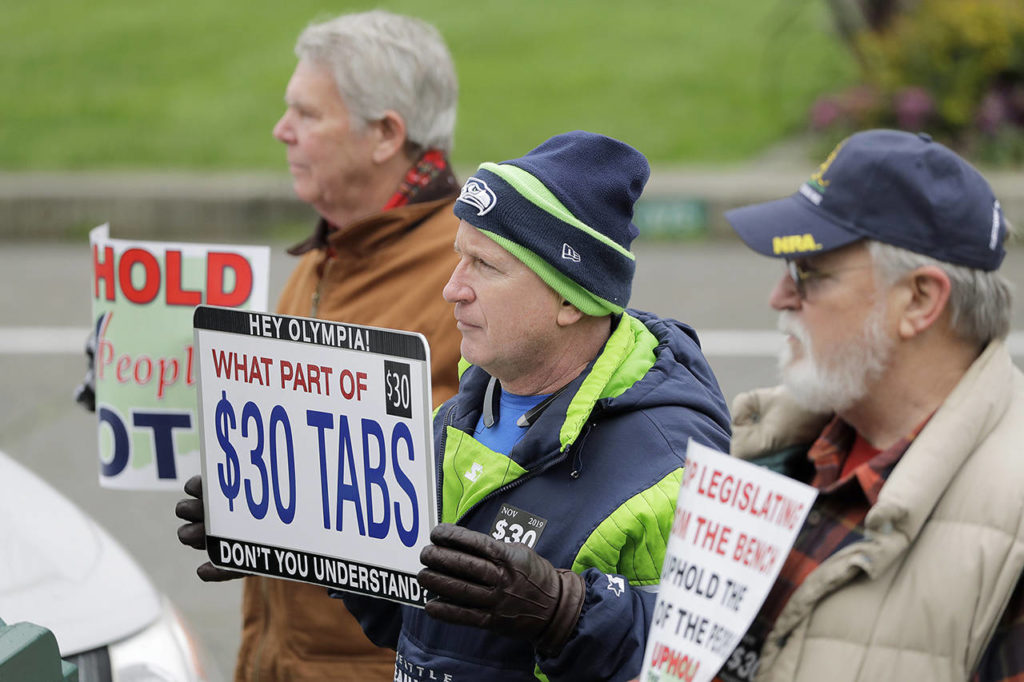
(561, 456)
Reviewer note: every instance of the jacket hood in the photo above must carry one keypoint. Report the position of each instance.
(679, 373)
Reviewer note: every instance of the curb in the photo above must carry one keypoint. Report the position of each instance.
(679, 202)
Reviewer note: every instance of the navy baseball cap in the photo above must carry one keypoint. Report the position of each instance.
(890, 186)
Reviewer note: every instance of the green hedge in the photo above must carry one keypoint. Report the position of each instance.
(198, 83)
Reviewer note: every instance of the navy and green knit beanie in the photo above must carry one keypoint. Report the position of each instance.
(565, 210)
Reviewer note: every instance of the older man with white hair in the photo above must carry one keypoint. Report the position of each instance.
(368, 124)
(901, 405)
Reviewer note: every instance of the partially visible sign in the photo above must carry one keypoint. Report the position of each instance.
(317, 450)
(671, 218)
(143, 295)
(733, 528)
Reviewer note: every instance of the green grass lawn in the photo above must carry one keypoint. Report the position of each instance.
(198, 84)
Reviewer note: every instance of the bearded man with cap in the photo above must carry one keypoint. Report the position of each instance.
(901, 405)
(561, 456)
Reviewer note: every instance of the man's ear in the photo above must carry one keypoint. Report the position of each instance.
(391, 136)
(928, 288)
(568, 314)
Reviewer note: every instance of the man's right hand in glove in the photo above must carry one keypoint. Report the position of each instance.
(193, 533)
(504, 587)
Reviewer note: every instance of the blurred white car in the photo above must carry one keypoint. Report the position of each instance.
(60, 570)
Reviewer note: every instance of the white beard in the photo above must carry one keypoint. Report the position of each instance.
(834, 383)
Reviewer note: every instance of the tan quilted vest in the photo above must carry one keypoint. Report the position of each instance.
(920, 597)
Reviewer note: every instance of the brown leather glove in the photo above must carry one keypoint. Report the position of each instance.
(504, 587)
(193, 533)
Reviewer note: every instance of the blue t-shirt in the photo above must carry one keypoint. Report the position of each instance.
(505, 433)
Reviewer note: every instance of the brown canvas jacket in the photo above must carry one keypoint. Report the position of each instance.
(386, 271)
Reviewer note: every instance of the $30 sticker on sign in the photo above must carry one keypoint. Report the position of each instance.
(316, 440)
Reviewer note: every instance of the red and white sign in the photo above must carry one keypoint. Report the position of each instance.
(734, 525)
(317, 450)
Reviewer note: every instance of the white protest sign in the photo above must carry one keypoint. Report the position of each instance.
(317, 450)
(733, 528)
(143, 295)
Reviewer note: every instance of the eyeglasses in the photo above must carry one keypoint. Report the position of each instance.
(801, 276)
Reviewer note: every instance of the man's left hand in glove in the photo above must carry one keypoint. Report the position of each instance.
(193, 533)
(504, 587)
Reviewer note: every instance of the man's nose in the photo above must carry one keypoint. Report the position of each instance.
(784, 295)
(283, 130)
(456, 290)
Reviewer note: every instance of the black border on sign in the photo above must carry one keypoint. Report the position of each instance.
(213, 544)
(383, 341)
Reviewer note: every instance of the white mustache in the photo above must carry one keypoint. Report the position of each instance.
(788, 324)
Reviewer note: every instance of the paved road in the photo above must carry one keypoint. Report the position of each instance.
(719, 287)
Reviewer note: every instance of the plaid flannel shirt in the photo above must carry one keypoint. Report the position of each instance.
(837, 520)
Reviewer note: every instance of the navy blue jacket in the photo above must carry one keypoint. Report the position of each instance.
(591, 486)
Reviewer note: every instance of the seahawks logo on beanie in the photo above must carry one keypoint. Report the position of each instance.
(477, 194)
(565, 210)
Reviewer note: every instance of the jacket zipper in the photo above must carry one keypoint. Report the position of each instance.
(320, 286)
(577, 446)
(440, 469)
(577, 452)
